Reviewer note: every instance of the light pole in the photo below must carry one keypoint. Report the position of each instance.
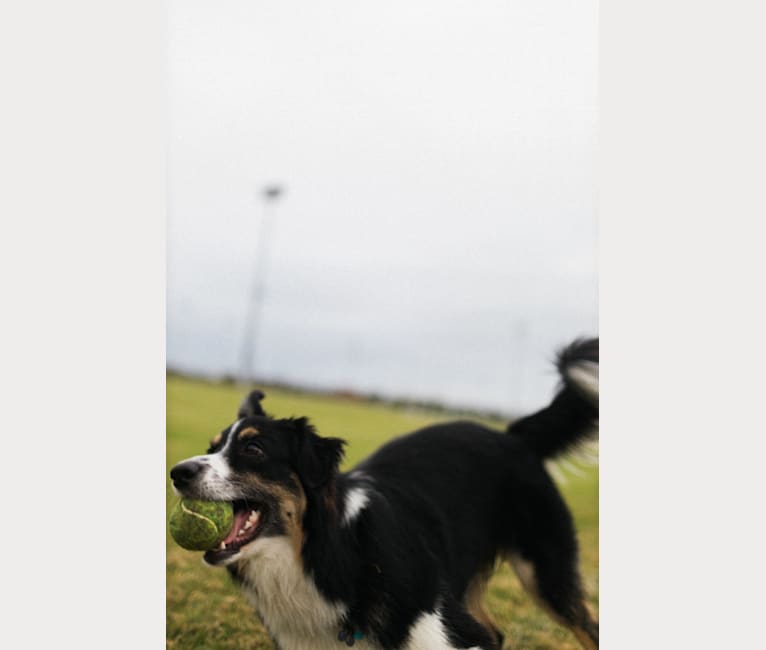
(520, 343)
(269, 194)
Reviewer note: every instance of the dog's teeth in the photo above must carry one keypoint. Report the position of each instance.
(248, 524)
(222, 547)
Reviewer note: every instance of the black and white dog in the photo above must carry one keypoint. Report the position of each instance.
(396, 554)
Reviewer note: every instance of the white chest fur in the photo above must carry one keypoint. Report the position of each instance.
(299, 617)
(288, 602)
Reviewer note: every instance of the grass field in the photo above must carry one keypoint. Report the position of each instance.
(205, 611)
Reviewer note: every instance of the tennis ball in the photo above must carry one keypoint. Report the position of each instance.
(200, 525)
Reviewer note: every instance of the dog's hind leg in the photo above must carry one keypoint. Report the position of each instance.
(553, 581)
(466, 630)
(538, 538)
(473, 601)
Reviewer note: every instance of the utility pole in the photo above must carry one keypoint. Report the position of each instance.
(270, 195)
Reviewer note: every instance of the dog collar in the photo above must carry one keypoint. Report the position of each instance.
(349, 638)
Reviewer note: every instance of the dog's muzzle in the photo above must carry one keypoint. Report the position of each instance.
(185, 473)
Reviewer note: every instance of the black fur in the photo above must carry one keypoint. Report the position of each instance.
(317, 458)
(571, 415)
(251, 405)
(443, 504)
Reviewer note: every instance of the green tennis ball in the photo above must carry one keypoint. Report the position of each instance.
(200, 525)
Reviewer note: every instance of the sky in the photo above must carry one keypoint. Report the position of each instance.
(438, 235)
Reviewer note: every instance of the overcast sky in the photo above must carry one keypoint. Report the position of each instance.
(438, 236)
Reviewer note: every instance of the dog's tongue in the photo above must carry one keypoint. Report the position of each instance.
(245, 521)
(240, 518)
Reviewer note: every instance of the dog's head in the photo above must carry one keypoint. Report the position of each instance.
(269, 469)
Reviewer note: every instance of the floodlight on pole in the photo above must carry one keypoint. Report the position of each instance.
(269, 194)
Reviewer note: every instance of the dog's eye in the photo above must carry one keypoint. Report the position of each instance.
(254, 449)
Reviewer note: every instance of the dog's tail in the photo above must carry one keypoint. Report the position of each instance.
(573, 414)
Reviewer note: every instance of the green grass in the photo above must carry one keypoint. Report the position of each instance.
(205, 611)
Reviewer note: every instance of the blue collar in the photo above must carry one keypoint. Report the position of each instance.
(349, 638)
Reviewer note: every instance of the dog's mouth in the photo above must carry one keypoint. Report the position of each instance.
(249, 519)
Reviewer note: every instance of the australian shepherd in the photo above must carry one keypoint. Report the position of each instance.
(396, 553)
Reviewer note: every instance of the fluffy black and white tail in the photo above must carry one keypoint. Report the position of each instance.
(573, 414)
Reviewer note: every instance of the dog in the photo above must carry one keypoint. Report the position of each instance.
(396, 553)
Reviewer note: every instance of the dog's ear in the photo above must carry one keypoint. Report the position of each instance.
(251, 405)
(317, 458)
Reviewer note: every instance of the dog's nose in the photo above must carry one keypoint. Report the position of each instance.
(184, 473)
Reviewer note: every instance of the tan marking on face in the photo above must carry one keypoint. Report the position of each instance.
(250, 432)
(216, 441)
(292, 507)
(474, 601)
